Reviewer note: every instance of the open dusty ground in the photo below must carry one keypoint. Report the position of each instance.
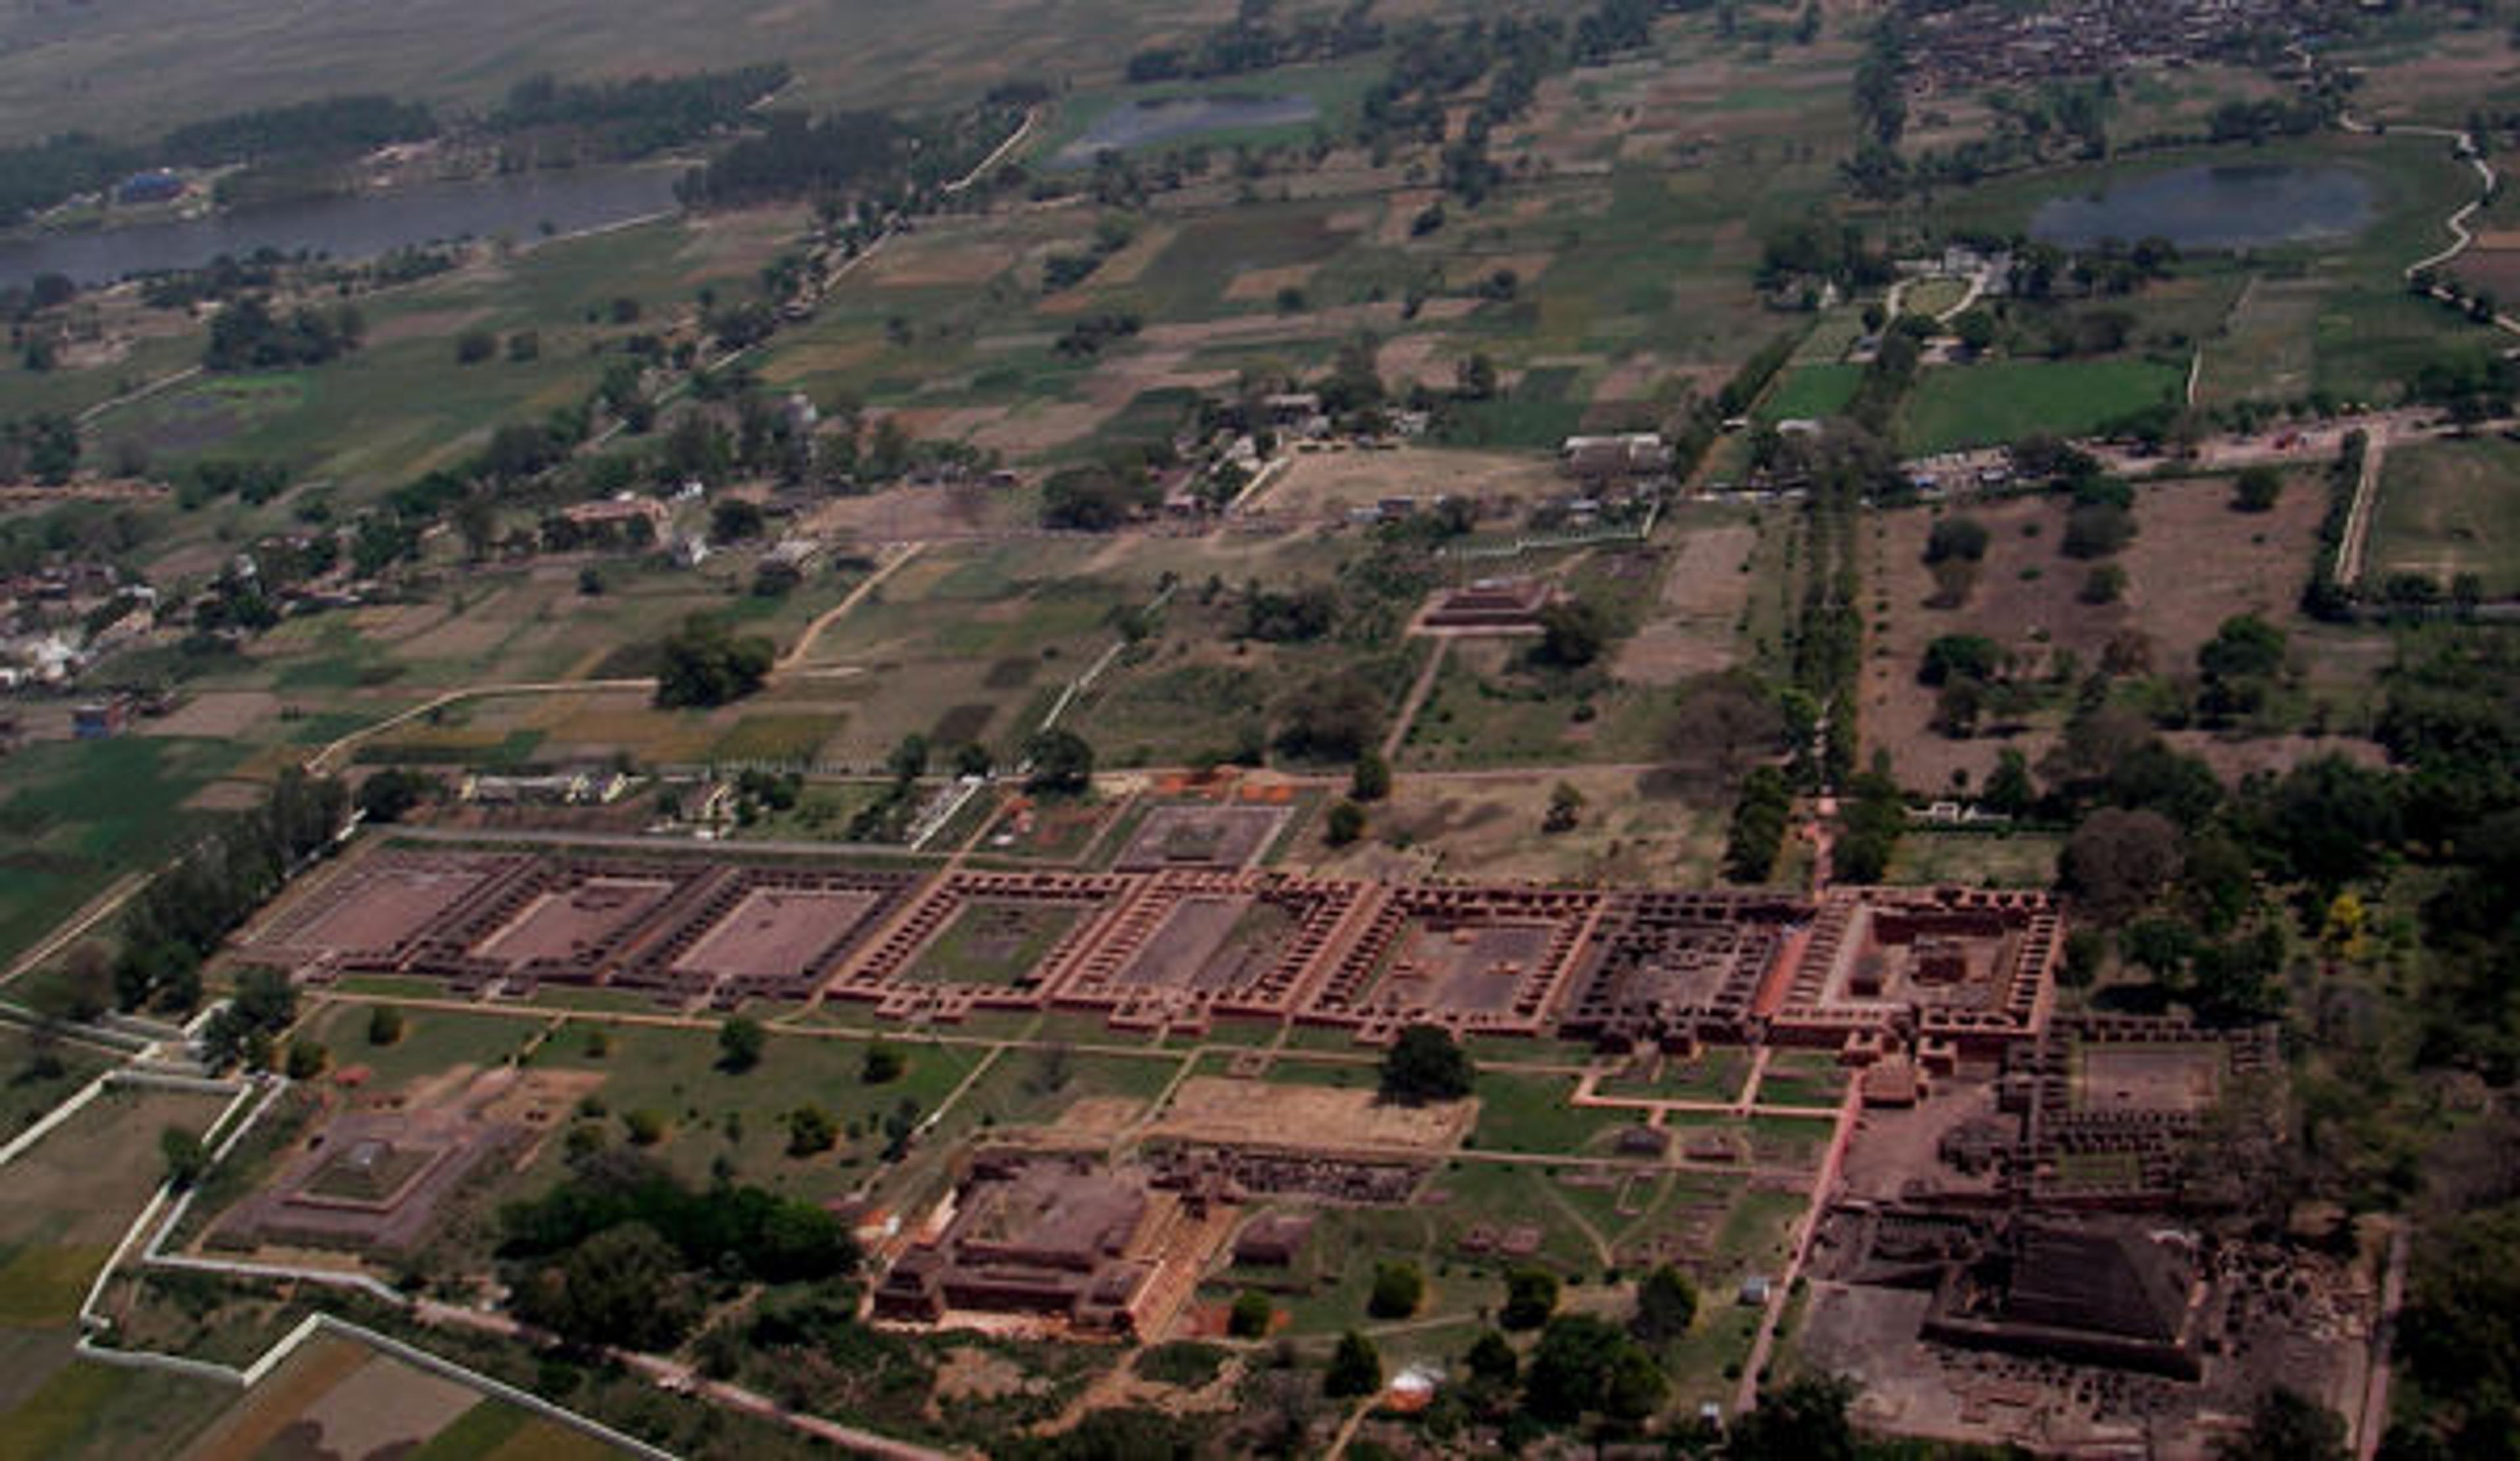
(2193, 563)
(1690, 629)
(1326, 484)
(1210, 1108)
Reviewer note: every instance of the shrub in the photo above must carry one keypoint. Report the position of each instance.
(1397, 1289)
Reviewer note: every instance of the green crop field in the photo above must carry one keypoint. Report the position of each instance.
(76, 815)
(1809, 392)
(1979, 405)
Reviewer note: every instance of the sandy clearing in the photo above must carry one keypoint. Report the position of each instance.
(1691, 630)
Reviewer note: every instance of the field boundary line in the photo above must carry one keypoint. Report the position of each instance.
(76, 1103)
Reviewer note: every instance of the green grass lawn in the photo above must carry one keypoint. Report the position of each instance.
(1809, 392)
(1985, 405)
(1532, 1114)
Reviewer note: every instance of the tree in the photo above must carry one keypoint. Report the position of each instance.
(1329, 717)
(1530, 1298)
(306, 1059)
(2008, 791)
(391, 794)
(1370, 780)
(2096, 530)
(883, 1065)
(186, 1158)
(1961, 538)
(1062, 763)
(2104, 584)
(623, 1286)
(1961, 656)
(1356, 1368)
(1759, 823)
(2287, 1426)
(1976, 330)
(704, 664)
(384, 1025)
(739, 1045)
(1250, 1316)
(1586, 1364)
(1344, 824)
(1491, 1361)
(1572, 634)
(1425, 1064)
(2257, 490)
(473, 346)
(2117, 860)
(733, 519)
(1666, 1305)
(1397, 1289)
(2243, 645)
(810, 1131)
(1565, 809)
(1806, 1421)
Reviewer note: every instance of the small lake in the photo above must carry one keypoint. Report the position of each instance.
(2254, 206)
(1143, 123)
(356, 227)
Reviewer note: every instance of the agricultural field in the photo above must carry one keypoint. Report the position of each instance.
(71, 1199)
(1979, 405)
(336, 1395)
(2446, 509)
(75, 816)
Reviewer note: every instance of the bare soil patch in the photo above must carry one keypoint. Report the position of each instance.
(1210, 1108)
(217, 715)
(1328, 483)
(2193, 563)
(1691, 630)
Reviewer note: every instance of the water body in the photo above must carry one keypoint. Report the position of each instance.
(355, 227)
(1167, 118)
(2255, 205)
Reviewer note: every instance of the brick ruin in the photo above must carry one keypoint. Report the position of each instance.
(1933, 976)
(373, 1180)
(1473, 961)
(2109, 1102)
(1188, 946)
(1496, 605)
(1676, 969)
(1963, 973)
(687, 931)
(1086, 1249)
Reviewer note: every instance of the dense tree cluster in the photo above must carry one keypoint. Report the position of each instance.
(638, 116)
(247, 336)
(183, 913)
(1425, 1064)
(704, 663)
(612, 1254)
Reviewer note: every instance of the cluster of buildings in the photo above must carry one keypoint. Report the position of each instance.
(1968, 47)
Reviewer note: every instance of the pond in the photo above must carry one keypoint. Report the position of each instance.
(1155, 119)
(2254, 206)
(522, 206)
